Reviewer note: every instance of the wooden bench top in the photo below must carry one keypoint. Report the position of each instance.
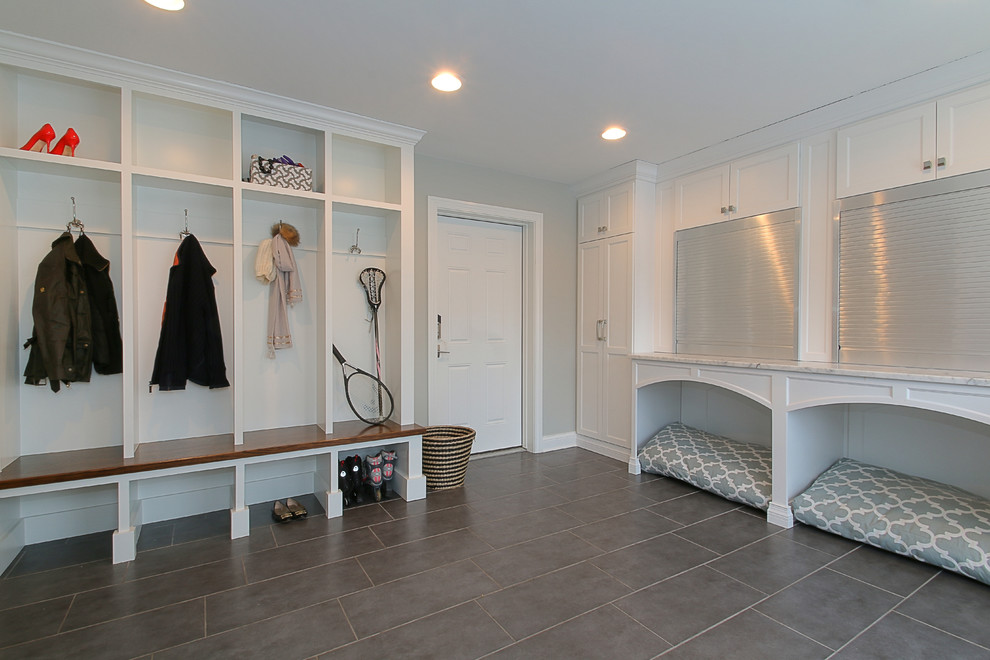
(65, 466)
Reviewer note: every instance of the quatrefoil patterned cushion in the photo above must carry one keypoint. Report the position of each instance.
(930, 521)
(738, 471)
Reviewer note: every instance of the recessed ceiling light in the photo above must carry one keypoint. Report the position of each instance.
(447, 82)
(614, 133)
(169, 5)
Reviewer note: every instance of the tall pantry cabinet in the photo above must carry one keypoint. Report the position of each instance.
(616, 217)
(156, 145)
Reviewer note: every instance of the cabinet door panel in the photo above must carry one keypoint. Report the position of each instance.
(591, 293)
(589, 403)
(590, 217)
(964, 132)
(618, 296)
(886, 152)
(765, 182)
(619, 201)
(618, 400)
(699, 197)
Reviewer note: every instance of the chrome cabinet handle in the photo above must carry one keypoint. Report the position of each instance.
(598, 330)
(927, 165)
(604, 329)
(732, 208)
(724, 210)
(940, 162)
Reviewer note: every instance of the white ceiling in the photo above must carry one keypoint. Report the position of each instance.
(542, 78)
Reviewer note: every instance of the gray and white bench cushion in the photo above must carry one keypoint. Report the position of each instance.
(738, 471)
(930, 521)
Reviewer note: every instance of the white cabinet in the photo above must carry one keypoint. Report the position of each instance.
(606, 213)
(605, 339)
(761, 183)
(921, 143)
(616, 290)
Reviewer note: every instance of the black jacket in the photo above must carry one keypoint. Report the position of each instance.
(61, 342)
(190, 346)
(108, 353)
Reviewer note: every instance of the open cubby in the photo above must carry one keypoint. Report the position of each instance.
(272, 139)
(364, 170)
(159, 216)
(177, 136)
(32, 99)
(281, 391)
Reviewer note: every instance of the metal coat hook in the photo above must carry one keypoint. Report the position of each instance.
(354, 249)
(75, 221)
(185, 232)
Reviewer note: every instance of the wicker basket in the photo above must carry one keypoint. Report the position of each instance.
(446, 450)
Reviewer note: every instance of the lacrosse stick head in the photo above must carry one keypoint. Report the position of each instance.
(373, 279)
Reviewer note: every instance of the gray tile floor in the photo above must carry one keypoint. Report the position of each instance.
(559, 555)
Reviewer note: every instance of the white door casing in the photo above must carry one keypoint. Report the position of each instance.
(479, 322)
(532, 305)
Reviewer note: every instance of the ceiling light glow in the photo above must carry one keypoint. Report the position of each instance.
(168, 5)
(447, 82)
(614, 133)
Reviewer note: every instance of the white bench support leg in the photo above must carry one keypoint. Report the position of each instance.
(240, 515)
(126, 535)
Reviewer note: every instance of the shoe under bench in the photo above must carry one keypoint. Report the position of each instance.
(106, 469)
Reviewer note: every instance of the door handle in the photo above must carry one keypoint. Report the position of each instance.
(439, 351)
(927, 165)
(598, 330)
(604, 329)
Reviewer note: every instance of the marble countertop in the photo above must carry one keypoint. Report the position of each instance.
(975, 378)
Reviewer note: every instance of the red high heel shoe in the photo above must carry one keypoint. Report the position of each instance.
(68, 141)
(43, 138)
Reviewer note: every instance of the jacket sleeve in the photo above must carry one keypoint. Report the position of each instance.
(51, 326)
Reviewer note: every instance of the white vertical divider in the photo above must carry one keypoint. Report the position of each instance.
(324, 315)
(128, 294)
(238, 279)
(125, 536)
(240, 515)
(407, 320)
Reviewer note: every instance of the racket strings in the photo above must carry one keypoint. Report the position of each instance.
(373, 279)
(369, 397)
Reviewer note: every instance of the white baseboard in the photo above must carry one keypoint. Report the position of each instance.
(555, 442)
(780, 515)
(603, 448)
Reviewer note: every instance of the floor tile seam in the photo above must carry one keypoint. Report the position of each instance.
(65, 616)
(831, 534)
(568, 530)
(134, 612)
(511, 515)
(792, 629)
(697, 522)
(101, 623)
(498, 623)
(427, 538)
(55, 568)
(737, 580)
(870, 584)
(628, 545)
(207, 634)
(617, 515)
(943, 630)
(638, 623)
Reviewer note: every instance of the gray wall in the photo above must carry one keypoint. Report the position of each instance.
(441, 178)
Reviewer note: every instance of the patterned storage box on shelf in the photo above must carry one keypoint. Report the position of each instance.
(270, 172)
(930, 521)
(446, 451)
(738, 471)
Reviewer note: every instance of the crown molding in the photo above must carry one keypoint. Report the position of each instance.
(59, 59)
(921, 87)
(634, 170)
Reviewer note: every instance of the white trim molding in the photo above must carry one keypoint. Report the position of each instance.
(555, 442)
(532, 317)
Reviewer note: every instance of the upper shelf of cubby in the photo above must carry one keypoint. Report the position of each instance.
(52, 164)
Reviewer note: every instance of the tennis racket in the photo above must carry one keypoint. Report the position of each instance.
(366, 395)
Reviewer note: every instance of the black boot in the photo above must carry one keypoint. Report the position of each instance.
(388, 470)
(344, 482)
(373, 476)
(355, 471)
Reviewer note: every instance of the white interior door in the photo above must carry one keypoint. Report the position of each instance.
(479, 307)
